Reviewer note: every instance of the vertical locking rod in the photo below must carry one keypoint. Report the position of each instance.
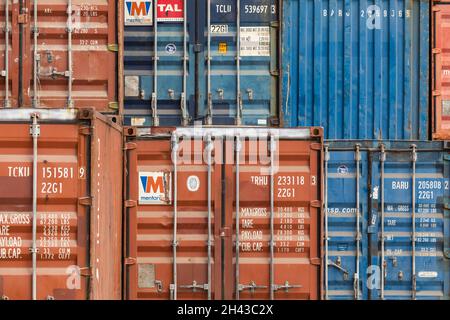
(175, 147)
(272, 213)
(34, 132)
(237, 244)
(413, 240)
(7, 103)
(325, 181)
(383, 262)
(155, 66)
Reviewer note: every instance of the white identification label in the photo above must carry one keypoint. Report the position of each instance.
(155, 188)
(255, 41)
(428, 274)
(138, 13)
(219, 28)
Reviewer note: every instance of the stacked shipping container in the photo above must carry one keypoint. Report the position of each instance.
(58, 170)
(359, 69)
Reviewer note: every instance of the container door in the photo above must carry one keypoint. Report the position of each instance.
(345, 221)
(170, 251)
(441, 72)
(8, 64)
(273, 250)
(408, 246)
(62, 214)
(69, 54)
(237, 75)
(159, 62)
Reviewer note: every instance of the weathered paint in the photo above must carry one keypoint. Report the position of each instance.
(93, 54)
(79, 220)
(257, 75)
(394, 188)
(441, 71)
(358, 68)
(150, 235)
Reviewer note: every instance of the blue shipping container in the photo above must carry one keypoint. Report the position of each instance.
(358, 68)
(386, 213)
(217, 64)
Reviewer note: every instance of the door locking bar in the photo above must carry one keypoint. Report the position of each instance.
(338, 266)
(195, 286)
(252, 286)
(286, 286)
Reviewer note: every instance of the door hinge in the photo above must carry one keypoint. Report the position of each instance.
(274, 73)
(275, 24)
(225, 232)
(436, 93)
(114, 47)
(198, 47)
(85, 201)
(316, 146)
(130, 146)
(316, 204)
(130, 261)
(86, 272)
(22, 18)
(130, 203)
(315, 261)
(436, 50)
(114, 105)
(85, 131)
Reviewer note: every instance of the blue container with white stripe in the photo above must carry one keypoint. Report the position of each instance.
(386, 213)
(358, 68)
(217, 65)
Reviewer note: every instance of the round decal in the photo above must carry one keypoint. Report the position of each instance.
(171, 48)
(343, 169)
(193, 183)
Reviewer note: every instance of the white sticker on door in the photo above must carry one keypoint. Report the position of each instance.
(138, 13)
(255, 41)
(155, 188)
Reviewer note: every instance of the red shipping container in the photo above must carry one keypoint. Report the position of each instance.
(73, 200)
(181, 238)
(61, 54)
(441, 71)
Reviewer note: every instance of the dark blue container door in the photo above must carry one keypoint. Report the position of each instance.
(359, 68)
(345, 270)
(221, 102)
(422, 273)
(143, 100)
(413, 270)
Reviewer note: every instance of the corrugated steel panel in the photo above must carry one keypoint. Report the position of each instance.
(206, 38)
(406, 179)
(441, 72)
(359, 68)
(79, 223)
(169, 209)
(75, 61)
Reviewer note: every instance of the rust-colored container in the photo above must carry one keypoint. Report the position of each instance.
(181, 233)
(441, 70)
(73, 200)
(75, 61)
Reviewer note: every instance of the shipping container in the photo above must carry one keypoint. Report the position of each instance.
(60, 205)
(61, 54)
(358, 68)
(212, 61)
(182, 239)
(386, 220)
(441, 70)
